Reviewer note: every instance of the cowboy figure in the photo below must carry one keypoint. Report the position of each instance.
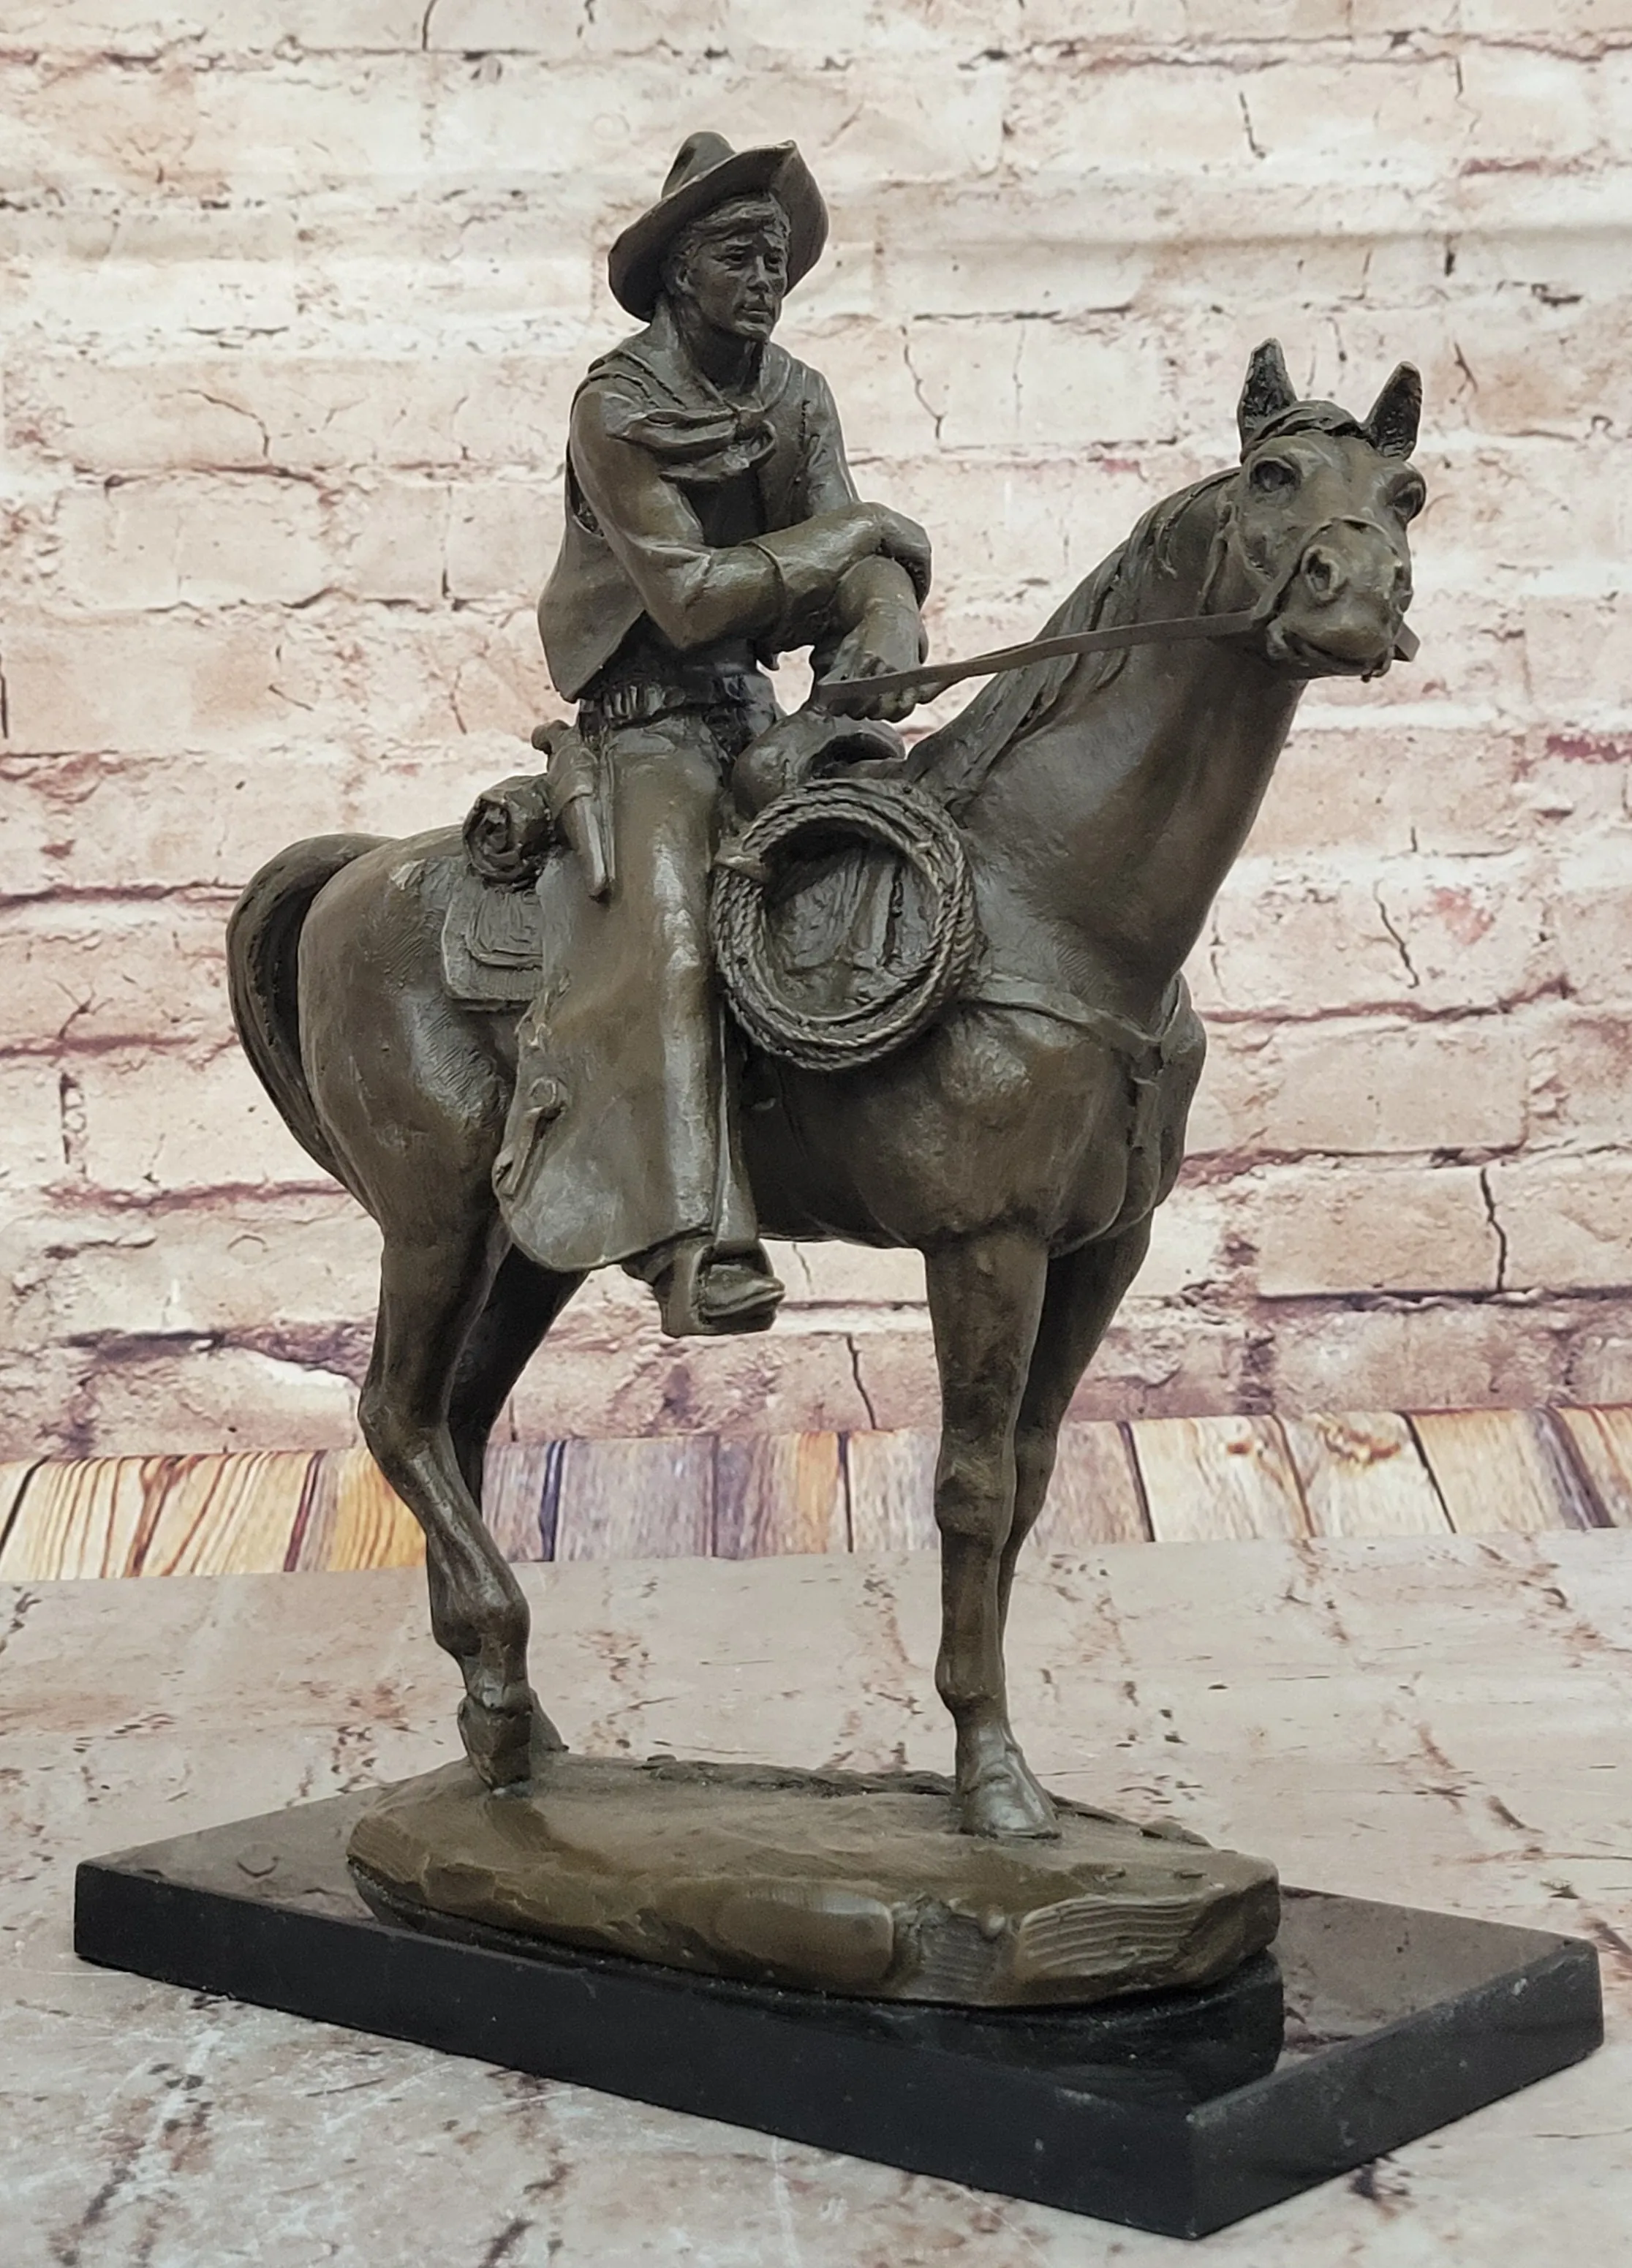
(711, 525)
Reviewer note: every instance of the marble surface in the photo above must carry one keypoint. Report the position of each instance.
(1440, 1722)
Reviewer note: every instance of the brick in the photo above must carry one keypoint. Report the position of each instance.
(1346, 116)
(151, 544)
(41, 1415)
(1364, 784)
(1599, 1363)
(1523, 498)
(892, 39)
(90, 975)
(616, 27)
(1033, 383)
(31, 1124)
(124, 681)
(1581, 1070)
(389, 537)
(1543, 361)
(502, 538)
(268, 128)
(299, 1263)
(885, 414)
(1532, 107)
(1294, 944)
(111, 27)
(407, 792)
(1411, 1229)
(1568, 1221)
(290, 344)
(1430, 934)
(1169, 1361)
(303, 413)
(941, 122)
(151, 414)
(981, 250)
(1578, 654)
(1583, 21)
(1360, 1086)
(172, 1122)
(372, 677)
(849, 1275)
(1032, 517)
(1189, 1240)
(651, 1385)
(198, 1399)
(115, 824)
(1473, 653)
(1430, 1355)
(1591, 912)
(1202, 21)
(480, 28)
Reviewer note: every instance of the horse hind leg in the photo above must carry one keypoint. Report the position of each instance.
(433, 1289)
(985, 1296)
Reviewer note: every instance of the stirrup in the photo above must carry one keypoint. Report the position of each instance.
(702, 1297)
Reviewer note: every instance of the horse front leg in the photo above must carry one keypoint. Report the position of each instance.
(985, 1296)
(432, 1290)
(521, 1306)
(1085, 1288)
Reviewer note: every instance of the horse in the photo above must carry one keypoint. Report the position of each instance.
(1021, 1145)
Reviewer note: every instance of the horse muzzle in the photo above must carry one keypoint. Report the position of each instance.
(1343, 605)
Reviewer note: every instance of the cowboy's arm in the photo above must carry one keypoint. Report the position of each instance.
(874, 627)
(698, 593)
(828, 485)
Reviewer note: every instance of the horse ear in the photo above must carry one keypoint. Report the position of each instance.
(1395, 414)
(1268, 391)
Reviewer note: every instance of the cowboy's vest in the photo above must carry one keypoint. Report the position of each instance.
(653, 398)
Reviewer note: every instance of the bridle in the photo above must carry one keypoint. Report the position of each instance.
(1245, 621)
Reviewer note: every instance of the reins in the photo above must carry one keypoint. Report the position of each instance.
(934, 677)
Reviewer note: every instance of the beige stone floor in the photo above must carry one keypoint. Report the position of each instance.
(1437, 1719)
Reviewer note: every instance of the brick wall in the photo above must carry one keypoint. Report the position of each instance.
(295, 300)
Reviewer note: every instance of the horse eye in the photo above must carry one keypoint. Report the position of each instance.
(1273, 476)
(1409, 495)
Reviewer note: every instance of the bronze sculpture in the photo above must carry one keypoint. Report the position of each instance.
(713, 967)
(1021, 1140)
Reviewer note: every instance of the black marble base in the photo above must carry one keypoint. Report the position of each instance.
(1178, 2112)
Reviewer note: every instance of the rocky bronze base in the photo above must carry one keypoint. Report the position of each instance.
(830, 1882)
(1367, 2026)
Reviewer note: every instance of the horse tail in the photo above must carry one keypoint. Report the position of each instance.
(263, 938)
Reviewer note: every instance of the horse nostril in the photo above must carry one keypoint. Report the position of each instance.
(1323, 572)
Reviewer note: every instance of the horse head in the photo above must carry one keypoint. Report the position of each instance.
(1317, 517)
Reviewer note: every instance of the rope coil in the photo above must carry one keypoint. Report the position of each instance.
(904, 819)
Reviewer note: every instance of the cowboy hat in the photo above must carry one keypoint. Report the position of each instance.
(706, 173)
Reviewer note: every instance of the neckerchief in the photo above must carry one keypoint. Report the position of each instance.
(678, 415)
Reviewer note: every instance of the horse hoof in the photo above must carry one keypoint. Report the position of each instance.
(507, 1744)
(1007, 1804)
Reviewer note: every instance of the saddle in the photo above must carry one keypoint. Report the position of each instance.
(842, 917)
(493, 931)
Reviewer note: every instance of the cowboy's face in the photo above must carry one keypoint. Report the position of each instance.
(738, 278)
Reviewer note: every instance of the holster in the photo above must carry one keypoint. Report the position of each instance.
(578, 809)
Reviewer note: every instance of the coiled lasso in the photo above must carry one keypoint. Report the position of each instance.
(809, 817)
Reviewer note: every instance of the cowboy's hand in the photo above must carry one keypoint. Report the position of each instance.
(888, 638)
(903, 540)
(874, 630)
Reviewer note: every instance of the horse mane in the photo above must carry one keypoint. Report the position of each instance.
(956, 760)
